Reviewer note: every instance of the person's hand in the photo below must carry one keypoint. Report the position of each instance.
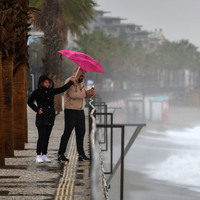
(72, 78)
(40, 111)
(90, 93)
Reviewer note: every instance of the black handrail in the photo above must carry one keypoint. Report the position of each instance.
(95, 172)
(111, 142)
(95, 144)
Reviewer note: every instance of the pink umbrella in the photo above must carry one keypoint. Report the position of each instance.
(84, 61)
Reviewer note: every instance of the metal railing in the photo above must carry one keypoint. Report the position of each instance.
(95, 145)
(96, 161)
(105, 110)
(106, 140)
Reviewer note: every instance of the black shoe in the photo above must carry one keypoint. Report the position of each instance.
(62, 158)
(83, 158)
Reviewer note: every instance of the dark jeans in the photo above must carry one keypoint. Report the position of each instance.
(73, 119)
(43, 139)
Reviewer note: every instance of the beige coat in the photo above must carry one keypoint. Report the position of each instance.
(74, 97)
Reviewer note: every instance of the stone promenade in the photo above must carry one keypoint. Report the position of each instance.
(23, 179)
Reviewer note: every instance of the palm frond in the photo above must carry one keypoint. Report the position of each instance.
(77, 13)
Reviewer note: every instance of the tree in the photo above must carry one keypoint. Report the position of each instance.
(8, 17)
(56, 19)
(115, 56)
(175, 55)
(13, 25)
(20, 76)
(2, 137)
(122, 62)
(171, 58)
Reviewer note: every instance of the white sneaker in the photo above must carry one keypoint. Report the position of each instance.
(45, 158)
(39, 159)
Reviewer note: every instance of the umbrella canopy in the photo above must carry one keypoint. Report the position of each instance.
(84, 61)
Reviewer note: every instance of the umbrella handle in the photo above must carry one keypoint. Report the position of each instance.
(77, 71)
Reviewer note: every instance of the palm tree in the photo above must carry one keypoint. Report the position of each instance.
(26, 115)
(56, 19)
(13, 42)
(7, 108)
(2, 143)
(2, 139)
(20, 76)
(8, 18)
(116, 56)
(101, 47)
(19, 107)
(3, 37)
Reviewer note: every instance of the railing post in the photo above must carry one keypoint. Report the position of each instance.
(90, 119)
(111, 146)
(122, 165)
(105, 130)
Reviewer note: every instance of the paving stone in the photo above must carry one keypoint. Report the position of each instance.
(23, 179)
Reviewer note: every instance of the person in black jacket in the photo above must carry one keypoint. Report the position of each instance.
(45, 117)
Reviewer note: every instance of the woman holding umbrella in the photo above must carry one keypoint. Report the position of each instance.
(45, 117)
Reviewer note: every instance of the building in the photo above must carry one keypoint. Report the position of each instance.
(129, 32)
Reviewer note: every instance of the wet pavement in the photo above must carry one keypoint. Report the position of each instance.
(23, 179)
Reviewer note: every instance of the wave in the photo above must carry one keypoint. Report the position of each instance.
(179, 169)
(189, 136)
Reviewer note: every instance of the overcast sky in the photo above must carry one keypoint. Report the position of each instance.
(179, 19)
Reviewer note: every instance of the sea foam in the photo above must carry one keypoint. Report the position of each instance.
(184, 166)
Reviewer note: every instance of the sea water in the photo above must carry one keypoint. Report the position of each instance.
(183, 166)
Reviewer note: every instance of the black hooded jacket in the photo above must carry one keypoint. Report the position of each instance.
(44, 98)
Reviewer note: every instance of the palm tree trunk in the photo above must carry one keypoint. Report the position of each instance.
(20, 76)
(25, 107)
(53, 27)
(7, 107)
(19, 105)
(2, 136)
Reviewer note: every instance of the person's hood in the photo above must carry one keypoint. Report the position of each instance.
(44, 78)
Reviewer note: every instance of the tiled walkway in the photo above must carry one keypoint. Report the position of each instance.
(23, 179)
